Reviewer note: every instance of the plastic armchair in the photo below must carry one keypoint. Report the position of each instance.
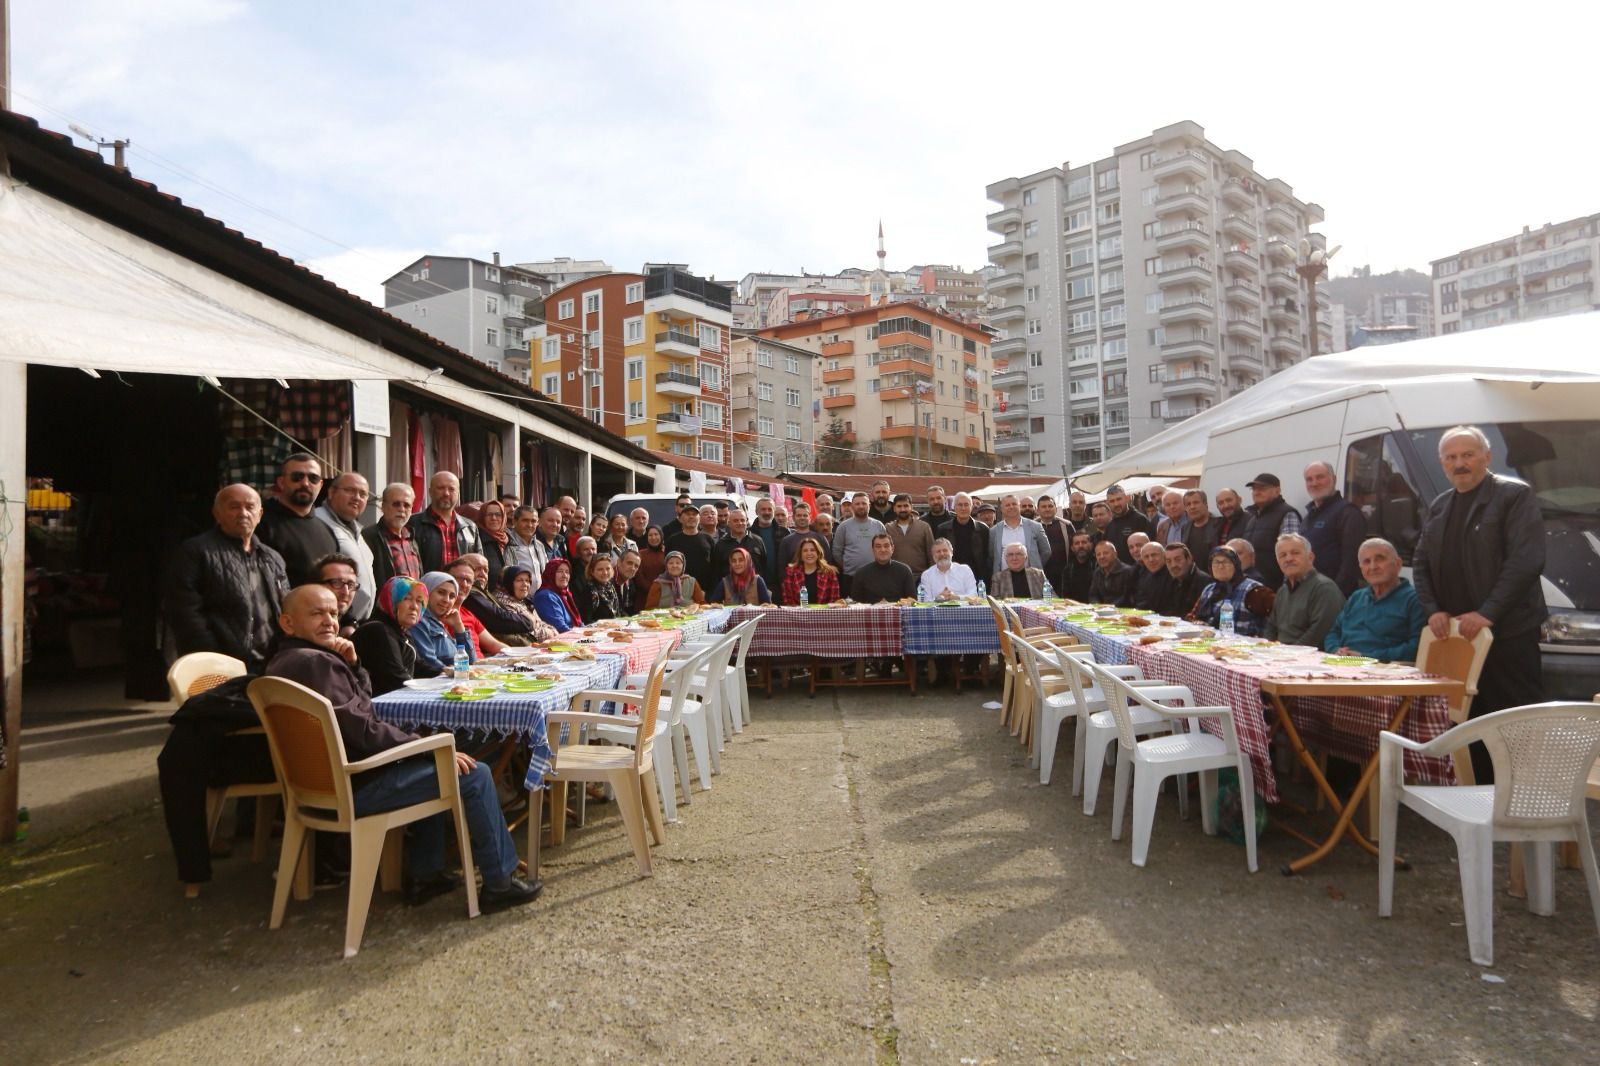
(629, 769)
(669, 751)
(1460, 659)
(1154, 759)
(308, 754)
(1542, 756)
(202, 671)
(1097, 727)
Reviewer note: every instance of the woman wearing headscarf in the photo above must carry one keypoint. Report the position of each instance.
(598, 598)
(742, 585)
(381, 642)
(496, 537)
(554, 600)
(439, 631)
(1229, 584)
(674, 588)
(652, 561)
(515, 597)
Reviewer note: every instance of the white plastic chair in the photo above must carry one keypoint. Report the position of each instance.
(1097, 727)
(735, 713)
(1542, 755)
(1154, 759)
(664, 752)
(1050, 710)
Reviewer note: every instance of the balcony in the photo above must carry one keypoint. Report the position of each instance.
(676, 383)
(1237, 194)
(1244, 292)
(844, 399)
(744, 400)
(1011, 313)
(1010, 443)
(1190, 161)
(847, 436)
(1005, 282)
(669, 283)
(1013, 412)
(1237, 225)
(1005, 379)
(1245, 328)
(905, 432)
(1483, 281)
(1285, 345)
(999, 253)
(1178, 414)
(1282, 219)
(1249, 362)
(1008, 346)
(972, 443)
(673, 424)
(1183, 198)
(1285, 314)
(833, 377)
(1000, 221)
(1189, 348)
(1282, 279)
(1185, 270)
(831, 349)
(1240, 260)
(1194, 308)
(902, 338)
(1281, 249)
(1184, 236)
(1190, 383)
(678, 342)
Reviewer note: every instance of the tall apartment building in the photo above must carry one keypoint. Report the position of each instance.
(644, 355)
(481, 308)
(563, 270)
(774, 403)
(1139, 290)
(903, 380)
(1534, 274)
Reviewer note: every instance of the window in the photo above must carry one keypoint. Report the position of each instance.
(1083, 387)
(1078, 187)
(1116, 416)
(1030, 229)
(1158, 336)
(1115, 348)
(632, 330)
(1376, 472)
(764, 426)
(711, 451)
(1111, 247)
(635, 410)
(1030, 261)
(764, 391)
(594, 339)
(591, 303)
(1035, 392)
(550, 384)
(1111, 281)
(763, 357)
(791, 431)
(1087, 420)
(791, 364)
(711, 376)
(1079, 255)
(939, 361)
(1080, 288)
(422, 275)
(711, 415)
(710, 337)
(1082, 320)
(491, 337)
(1083, 353)
(564, 309)
(635, 368)
(1152, 266)
(1154, 301)
(1077, 220)
(1147, 160)
(791, 397)
(1150, 195)
(1115, 383)
(491, 304)
(1112, 314)
(1036, 459)
(1106, 180)
(491, 273)
(633, 293)
(1035, 425)
(1152, 230)
(1035, 327)
(1036, 359)
(1030, 294)
(1109, 212)
(1028, 196)
(551, 349)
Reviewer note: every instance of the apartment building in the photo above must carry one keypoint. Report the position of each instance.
(1138, 290)
(774, 404)
(903, 381)
(563, 270)
(644, 355)
(961, 291)
(1533, 274)
(476, 306)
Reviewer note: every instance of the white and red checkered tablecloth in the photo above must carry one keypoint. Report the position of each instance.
(1345, 727)
(856, 632)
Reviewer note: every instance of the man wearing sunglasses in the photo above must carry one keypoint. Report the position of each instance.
(288, 525)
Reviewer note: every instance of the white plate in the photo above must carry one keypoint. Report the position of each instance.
(430, 684)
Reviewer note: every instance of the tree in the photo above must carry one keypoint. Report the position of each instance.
(835, 455)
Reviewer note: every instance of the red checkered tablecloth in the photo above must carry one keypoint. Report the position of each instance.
(638, 655)
(857, 632)
(1345, 727)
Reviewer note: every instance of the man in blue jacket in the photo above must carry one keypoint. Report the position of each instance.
(1384, 619)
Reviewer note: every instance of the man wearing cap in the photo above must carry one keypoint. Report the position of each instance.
(1124, 520)
(1270, 518)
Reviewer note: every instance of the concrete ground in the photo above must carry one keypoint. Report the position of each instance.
(873, 878)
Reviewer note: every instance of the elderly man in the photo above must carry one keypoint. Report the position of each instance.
(1124, 520)
(825, 506)
(337, 574)
(1385, 618)
(1078, 509)
(638, 522)
(1017, 580)
(1334, 526)
(1174, 523)
(1308, 603)
(1186, 584)
(225, 586)
(1136, 543)
(549, 541)
(711, 522)
(1059, 532)
(1201, 536)
(313, 654)
(968, 537)
(885, 579)
(441, 533)
(394, 550)
(1270, 518)
(1080, 567)
(1478, 563)
(881, 508)
(738, 535)
(947, 579)
(986, 512)
(1247, 557)
(937, 515)
(1113, 579)
(772, 535)
(341, 512)
(1150, 578)
(852, 540)
(1015, 529)
(288, 525)
(801, 533)
(913, 539)
(824, 528)
(1231, 517)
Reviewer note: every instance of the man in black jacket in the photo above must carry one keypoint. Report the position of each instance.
(968, 537)
(288, 525)
(1478, 563)
(1185, 585)
(738, 536)
(1335, 527)
(1125, 520)
(225, 586)
(696, 548)
(1080, 568)
(1113, 579)
(881, 506)
(1150, 578)
(441, 534)
(1270, 518)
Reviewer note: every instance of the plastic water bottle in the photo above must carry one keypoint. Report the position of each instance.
(1049, 593)
(983, 590)
(805, 597)
(922, 592)
(463, 663)
(1225, 618)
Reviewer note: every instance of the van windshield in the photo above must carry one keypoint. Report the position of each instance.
(1557, 459)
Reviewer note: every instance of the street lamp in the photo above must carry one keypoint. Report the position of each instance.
(1311, 265)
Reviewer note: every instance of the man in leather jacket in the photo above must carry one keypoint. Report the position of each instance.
(442, 534)
(225, 587)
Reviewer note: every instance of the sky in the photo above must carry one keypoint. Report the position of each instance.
(737, 137)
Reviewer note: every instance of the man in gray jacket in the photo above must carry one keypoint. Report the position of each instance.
(852, 540)
(341, 512)
(1012, 528)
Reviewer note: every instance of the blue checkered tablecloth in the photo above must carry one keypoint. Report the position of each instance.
(1110, 649)
(505, 714)
(966, 629)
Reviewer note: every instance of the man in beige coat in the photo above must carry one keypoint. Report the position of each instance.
(913, 538)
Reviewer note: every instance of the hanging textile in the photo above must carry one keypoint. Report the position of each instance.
(497, 480)
(416, 465)
(447, 446)
(314, 410)
(534, 480)
(398, 447)
(474, 465)
(337, 452)
(254, 461)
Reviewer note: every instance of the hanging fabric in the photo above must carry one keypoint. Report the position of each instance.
(447, 445)
(497, 480)
(416, 465)
(398, 447)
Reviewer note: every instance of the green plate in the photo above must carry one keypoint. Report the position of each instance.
(818, 606)
(948, 603)
(1133, 610)
(563, 647)
(532, 685)
(480, 694)
(1347, 660)
(1193, 649)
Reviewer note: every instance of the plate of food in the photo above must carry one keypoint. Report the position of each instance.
(1348, 660)
(1192, 647)
(465, 691)
(583, 654)
(429, 684)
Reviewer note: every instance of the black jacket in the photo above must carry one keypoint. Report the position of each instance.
(207, 606)
(723, 548)
(1502, 558)
(1182, 593)
(388, 655)
(1262, 533)
(300, 539)
(1336, 529)
(1114, 587)
(430, 541)
(1150, 590)
(969, 544)
(1124, 525)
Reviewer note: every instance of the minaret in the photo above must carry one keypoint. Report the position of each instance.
(882, 255)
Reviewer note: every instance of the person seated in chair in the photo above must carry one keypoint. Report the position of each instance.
(1017, 580)
(1385, 618)
(312, 653)
(1113, 579)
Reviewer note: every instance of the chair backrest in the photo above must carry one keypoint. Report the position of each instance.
(306, 747)
(678, 683)
(1082, 683)
(746, 634)
(721, 654)
(1117, 697)
(649, 706)
(201, 671)
(1003, 628)
(1457, 658)
(1031, 658)
(1542, 756)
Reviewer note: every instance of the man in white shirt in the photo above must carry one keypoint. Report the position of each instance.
(1013, 528)
(947, 579)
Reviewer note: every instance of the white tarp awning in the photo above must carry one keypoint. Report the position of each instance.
(78, 292)
(1565, 349)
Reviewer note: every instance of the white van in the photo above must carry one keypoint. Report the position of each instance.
(1377, 415)
(662, 506)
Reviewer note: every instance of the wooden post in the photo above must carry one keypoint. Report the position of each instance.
(13, 480)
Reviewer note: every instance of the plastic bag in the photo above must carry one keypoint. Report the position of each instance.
(1229, 812)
